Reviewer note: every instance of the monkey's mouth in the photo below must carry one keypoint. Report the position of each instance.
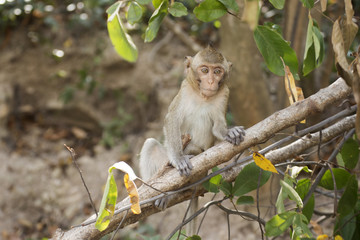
(205, 92)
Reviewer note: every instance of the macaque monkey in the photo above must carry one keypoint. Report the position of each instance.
(195, 118)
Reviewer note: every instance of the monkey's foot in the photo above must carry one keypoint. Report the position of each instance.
(184, 165)
(162, 203)
(235, 135)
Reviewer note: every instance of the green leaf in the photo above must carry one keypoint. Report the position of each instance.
(226, 188)
(113, 9)
(157, 3)
(341, 178)
(213, 184)
(280, 207)
(107, 206)
(273, 47)
(134, 13)
(292, 193)
(245, 200)
(346, 227)
(348, 200)
(314, 48)
(194, 237)
(231, 5)
(209, 10)
(178, 9)
(122, 42)
(279, 223)
(155, 21)
(302, 188)
(248, 178)
(300, 227)
(308, 3)
(143, 2)
(350, 153)
(278, 4)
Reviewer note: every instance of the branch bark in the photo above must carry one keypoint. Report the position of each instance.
(169, 179)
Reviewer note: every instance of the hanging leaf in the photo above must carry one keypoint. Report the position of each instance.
(302, 188)
(292, 193)
(109, 198)
(107, 206)
(314, 48)
(300, 227)
(113, 9)
(248, 178)
(155, 21)
(209, 10)
(122, 42)
(278, 4)
(130, 185)
(133, 194)
(178, 9)
(264, 163)
(323, 5)
(134, 13)
(273, 47)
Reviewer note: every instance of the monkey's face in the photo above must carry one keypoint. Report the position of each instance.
(210, 77)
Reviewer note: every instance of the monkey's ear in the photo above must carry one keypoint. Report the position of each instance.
(230, 66)
(188, 61)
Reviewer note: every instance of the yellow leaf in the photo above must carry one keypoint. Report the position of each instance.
(264, 163)
(338, 237)
(133, 194)
(322, 237)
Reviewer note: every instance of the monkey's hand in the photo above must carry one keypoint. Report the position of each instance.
(184, 165)
(235, 135)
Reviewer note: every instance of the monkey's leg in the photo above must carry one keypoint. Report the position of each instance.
(152, 158)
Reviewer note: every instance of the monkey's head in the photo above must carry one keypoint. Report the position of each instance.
(207, 71)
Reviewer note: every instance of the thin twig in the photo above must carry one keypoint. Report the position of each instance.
(193, 216)
(257, 205)
(204, 215)
(118, 227)
(73, 154)
(228, 223)
(245, 215)
(335, 188)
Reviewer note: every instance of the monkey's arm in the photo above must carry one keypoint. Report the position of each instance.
(173, 141)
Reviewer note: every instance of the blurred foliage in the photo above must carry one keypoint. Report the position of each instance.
(75, 14)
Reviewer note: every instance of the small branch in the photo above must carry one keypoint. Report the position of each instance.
(117, 229)
(73, 154)
(242, 214)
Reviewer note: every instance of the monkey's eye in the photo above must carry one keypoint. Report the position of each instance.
(217, 71)
(204, 70)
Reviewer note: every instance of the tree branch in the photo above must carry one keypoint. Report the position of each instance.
(169, 179)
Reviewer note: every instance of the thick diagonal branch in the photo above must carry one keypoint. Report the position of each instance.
(169, 179)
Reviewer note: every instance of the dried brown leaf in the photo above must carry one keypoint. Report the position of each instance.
(342, 64)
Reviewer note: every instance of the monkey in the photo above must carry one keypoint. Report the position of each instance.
(195, 120)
